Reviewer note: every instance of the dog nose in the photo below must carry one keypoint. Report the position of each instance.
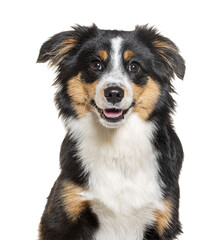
(114, 94)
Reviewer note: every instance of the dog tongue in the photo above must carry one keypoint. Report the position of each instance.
(112, 113)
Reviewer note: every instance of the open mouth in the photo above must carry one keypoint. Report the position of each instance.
(112, 114)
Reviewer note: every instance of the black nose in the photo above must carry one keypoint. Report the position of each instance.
(114, 94)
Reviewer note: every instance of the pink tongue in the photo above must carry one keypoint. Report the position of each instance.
(112, 113)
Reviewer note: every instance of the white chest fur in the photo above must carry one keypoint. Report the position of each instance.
(123, 181)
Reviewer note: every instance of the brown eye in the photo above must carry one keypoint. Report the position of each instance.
(133, 67)
(96, 66)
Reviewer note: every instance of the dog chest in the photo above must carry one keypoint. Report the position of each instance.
(124, 204)
(124, 186)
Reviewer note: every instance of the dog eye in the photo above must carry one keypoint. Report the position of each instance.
(134, 67)
(96, 66)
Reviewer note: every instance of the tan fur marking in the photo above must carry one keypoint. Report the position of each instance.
(163, 217)
(81, 94)
(161, 48)
(39, 231)
(61, 50)
(161, 44)
(65, 46)
(69, 41)
(128, 54)
(73, 200)
(65, 49)
(146, 97)
(103, 55)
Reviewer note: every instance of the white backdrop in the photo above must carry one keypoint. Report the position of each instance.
(31, 132)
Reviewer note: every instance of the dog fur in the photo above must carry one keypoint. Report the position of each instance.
(121, 158)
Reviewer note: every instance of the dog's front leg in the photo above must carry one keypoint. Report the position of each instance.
(67, 216)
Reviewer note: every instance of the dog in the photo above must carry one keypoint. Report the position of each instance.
(121, 158)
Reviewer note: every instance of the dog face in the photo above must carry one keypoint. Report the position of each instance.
(112, 74)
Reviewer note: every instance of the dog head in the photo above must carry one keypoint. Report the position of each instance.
(112, 74)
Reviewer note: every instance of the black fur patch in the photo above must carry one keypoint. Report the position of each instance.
(70, 163)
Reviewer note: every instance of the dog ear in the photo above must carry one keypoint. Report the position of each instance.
(164, 48)
(57, 47)
(170, 54)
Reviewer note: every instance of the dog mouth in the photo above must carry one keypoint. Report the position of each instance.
(112, 115)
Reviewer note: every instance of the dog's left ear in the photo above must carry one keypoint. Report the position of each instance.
(170, 54)
(164, 48)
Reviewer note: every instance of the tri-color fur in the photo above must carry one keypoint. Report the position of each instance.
(121, 158)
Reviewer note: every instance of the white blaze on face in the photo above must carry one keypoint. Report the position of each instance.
(115, 76)
(116, 57)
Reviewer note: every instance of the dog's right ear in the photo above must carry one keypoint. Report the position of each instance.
(58, 47)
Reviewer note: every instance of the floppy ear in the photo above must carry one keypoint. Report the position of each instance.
(164, 48)
(57, 47)
(170, 54)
